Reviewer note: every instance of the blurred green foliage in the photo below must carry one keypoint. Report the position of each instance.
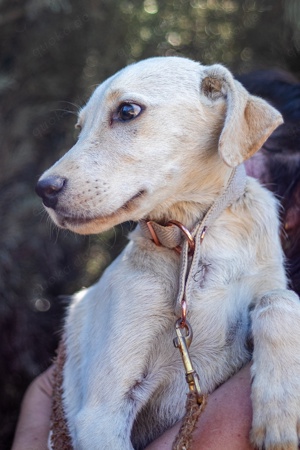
(52, 54)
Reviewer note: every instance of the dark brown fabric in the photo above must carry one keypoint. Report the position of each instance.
(193, 410)
(60, 437)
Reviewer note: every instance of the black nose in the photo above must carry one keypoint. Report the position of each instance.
(49, 189)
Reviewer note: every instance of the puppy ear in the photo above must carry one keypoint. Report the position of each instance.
(249, 120)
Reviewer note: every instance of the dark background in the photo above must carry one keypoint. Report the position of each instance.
(53, 53)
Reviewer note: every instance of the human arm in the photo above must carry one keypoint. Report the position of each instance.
(225, 422)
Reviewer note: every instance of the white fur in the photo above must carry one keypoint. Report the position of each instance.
(122, 371)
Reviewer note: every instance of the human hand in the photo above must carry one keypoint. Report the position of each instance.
(225, 422)
(34, 421)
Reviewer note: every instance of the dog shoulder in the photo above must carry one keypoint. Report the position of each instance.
(261, 204)
(255, 215)
(257, 218)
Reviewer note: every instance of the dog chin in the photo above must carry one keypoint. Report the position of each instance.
(85, 225)
(98, 224)
(92, 226)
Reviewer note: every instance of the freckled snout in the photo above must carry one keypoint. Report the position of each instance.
(49, 189)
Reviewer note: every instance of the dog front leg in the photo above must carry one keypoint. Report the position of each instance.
(100, 428)
(276, 371)
(114, 394)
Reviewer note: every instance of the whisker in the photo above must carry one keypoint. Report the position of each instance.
(67, 111)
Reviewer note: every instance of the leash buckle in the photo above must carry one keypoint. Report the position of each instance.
(182, 342)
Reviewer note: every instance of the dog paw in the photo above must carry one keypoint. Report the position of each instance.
(264, 439)
(275, 432)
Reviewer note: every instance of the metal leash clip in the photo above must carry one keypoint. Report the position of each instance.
(183, 341)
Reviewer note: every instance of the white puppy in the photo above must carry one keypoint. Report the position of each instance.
(159, 141)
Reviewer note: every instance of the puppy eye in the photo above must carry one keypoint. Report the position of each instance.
(128, 111)
(78, 126)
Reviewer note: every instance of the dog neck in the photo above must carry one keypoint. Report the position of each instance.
(175, 236)
(168, 234)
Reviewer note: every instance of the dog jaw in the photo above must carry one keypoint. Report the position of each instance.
(97, 224)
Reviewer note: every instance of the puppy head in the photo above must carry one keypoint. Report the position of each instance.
(158, 132)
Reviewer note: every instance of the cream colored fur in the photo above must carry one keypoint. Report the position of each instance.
(123, 380)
